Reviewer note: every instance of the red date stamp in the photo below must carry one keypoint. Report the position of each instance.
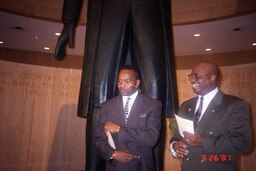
(216, 157)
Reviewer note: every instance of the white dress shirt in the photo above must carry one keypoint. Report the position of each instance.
(207, 99)
(131, 101)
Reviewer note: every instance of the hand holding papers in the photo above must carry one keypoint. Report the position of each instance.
(184, 125)
(110, 140)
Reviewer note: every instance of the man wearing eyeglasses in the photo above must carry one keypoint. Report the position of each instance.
(133, 120)
(221, 125)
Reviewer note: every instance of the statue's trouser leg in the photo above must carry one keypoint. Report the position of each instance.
(148, 44)
(93, 161)
(107, 62)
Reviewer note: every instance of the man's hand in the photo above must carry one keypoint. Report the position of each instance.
(111, 127)
(66, 37)
(193, 139)
(180, 148)
(124, 156)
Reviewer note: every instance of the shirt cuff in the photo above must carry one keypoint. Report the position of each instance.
(113, 155)
(173, 152)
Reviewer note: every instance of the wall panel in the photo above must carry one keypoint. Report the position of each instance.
(39, 129)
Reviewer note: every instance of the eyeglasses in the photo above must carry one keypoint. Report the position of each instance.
(196, 76)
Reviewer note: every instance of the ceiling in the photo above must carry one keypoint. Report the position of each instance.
(226, 35)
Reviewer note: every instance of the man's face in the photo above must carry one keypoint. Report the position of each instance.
(127, 82)
(202, 79)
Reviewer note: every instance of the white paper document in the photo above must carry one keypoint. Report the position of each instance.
(184, 125)
(110, 140)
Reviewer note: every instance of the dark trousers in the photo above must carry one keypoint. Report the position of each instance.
(141, 20)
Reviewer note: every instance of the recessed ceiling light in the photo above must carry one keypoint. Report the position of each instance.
(196, 35)
(46, 48)
(18, 28)
(57, 34)
(1, 42)
(237, 29)
(208, 49)
(254, 44)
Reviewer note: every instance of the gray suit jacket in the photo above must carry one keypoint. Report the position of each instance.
(138, 136)
(226, 132)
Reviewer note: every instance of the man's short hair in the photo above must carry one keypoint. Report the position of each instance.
(133, 68)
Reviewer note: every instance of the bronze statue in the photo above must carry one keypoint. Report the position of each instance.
(120, 32)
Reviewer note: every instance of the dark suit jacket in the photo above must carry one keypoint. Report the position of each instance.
(139, 136)
(226, 132)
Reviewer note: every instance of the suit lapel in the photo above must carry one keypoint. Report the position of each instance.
(119, 113)
(190, 110)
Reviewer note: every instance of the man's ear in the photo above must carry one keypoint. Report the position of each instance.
(213, 77)
(137, 83)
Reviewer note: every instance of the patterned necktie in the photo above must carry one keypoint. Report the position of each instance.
(126, 110)
(199, 111)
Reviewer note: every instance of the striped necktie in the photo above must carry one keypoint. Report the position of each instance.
(199, 111)
(126, 109)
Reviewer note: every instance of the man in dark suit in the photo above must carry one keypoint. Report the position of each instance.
(134, 132)
(221, 125)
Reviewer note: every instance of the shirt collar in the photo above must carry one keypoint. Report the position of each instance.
(209, 96)
(133, 96)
